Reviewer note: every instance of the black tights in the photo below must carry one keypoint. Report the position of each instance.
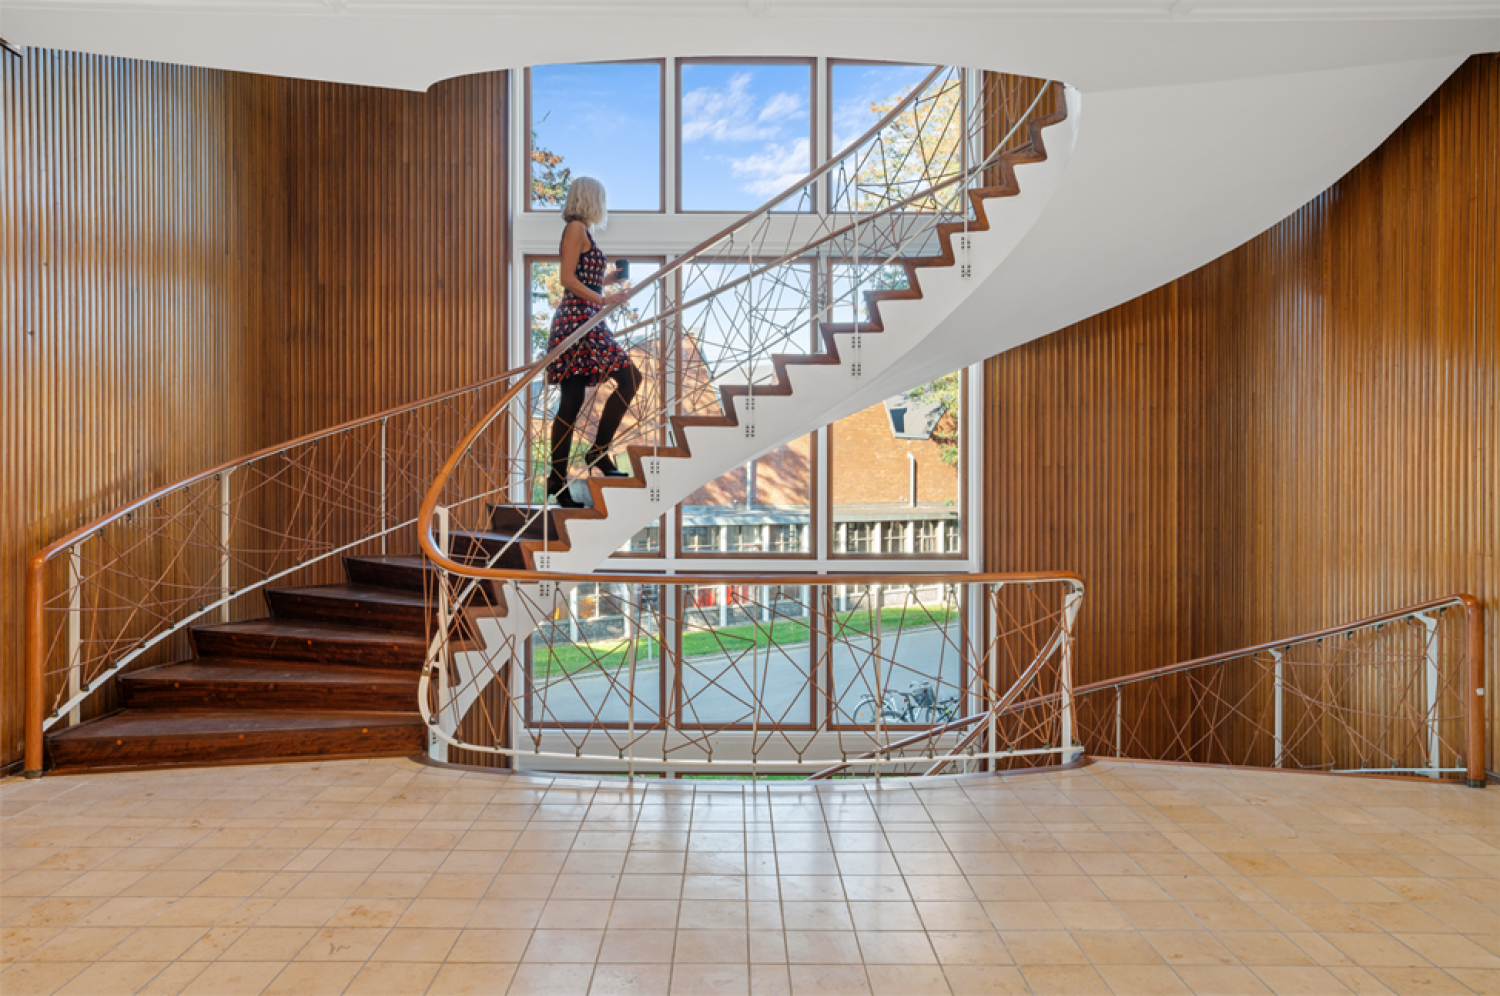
(574, 389)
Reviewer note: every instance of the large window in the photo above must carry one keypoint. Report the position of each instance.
(896, 475)
(601, 120)
(745, 132)
(885, 483)
(882, 489)
(763, 508)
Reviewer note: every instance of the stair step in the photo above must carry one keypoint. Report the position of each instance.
(407, 572)
(521, 520)
(226, 684)
(479, 547)
(382, 608)
(288, 640)
(134, 738)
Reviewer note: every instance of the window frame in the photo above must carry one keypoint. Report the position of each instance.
(962, 504)
(814, 111)
(661, 137)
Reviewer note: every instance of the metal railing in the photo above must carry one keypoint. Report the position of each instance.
(124, 589)
(714, 330)
(915, 674)
(1397, 693)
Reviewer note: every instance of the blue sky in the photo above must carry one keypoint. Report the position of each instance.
(746, 128)
(605, 121)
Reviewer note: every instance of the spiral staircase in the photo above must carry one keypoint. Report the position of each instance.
(337, 670)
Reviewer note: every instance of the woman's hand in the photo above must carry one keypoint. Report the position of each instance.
(614, 297)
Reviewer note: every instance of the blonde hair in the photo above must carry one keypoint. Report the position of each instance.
(586, 203)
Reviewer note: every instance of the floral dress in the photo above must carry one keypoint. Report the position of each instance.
(596, 355)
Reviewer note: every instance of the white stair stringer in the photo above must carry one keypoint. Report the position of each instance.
(820, 393)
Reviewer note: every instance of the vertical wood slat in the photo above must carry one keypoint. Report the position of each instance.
(1304, 431)
(197, 264)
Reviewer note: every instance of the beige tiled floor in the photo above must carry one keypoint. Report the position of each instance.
(387, 877)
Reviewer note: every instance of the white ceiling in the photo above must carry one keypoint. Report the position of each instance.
(1093, 44)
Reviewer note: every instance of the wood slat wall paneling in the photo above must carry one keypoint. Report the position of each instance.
(122, 347)
(1304, 431)
(197, 264)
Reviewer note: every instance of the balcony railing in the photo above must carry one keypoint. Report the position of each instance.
(1397, 693)
(791, 674)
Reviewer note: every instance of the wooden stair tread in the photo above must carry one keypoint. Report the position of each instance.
(308, 629)
(358, 593)
(224, 670)
(152, 723)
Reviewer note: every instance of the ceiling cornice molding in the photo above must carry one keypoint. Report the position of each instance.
(1092, 44)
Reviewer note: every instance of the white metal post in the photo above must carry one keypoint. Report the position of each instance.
(992, 606)
(224, 545)
(1434, 755)
(754, 700)
(635, 632)
(1070, 753)
(1119, 721)
(383, 474)
(1277, 742)
(75, 630)
(877, 599)
(437, 748)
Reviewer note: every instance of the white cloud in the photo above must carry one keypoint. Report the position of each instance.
(781, 107)
(729, 114)
(773, 170)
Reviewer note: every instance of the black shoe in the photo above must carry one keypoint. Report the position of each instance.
(604, 464)
(565, 499)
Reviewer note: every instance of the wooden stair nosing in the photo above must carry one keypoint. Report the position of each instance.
(217, 685)
(153, 738)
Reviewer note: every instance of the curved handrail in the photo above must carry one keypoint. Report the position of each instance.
(83, 532)
(426, 527)
(36, 575)
(979, 633)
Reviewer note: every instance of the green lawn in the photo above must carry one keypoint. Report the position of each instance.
(565, 658)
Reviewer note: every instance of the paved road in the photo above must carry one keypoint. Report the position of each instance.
(717, 689)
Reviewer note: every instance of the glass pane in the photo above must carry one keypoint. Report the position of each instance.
(745, 314)
(602, 121)
(580, 661)
(848, 285)
(894, 474)
(738, 639)
(920, 147)
(647, 542)
(745, 134)
(914, 634)
(763, 508)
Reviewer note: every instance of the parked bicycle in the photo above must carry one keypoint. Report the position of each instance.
(918, 706)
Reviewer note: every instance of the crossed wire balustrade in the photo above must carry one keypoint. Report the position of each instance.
(781, 678)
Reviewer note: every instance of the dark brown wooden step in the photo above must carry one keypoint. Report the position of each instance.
(521, 520)
(399, 609)
(220, 685)
(286, 640)
(137, 738)
(407, 572)
(481, 549)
